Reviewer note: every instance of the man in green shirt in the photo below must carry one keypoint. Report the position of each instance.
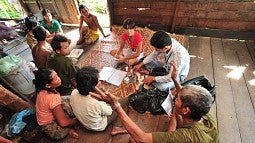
(190, 121)
(62, 64)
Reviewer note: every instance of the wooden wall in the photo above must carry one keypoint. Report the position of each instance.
(176, 15)
(63, 10)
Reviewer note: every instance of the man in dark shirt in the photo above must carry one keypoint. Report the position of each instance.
(62, 64)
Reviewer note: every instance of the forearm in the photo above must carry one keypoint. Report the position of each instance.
(81, 23)
(4, 140)
(132, 56)
(61, 30)
(172, 123)
(67, 122)
(135, 132)
(177, 85)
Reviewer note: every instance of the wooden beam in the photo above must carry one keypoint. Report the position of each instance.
(12, 101)
(175, 15)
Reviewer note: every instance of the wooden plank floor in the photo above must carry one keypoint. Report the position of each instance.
(230, 65)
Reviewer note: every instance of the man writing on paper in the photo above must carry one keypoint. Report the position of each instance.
(190, 121)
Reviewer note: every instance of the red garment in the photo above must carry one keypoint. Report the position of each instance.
(133, 44)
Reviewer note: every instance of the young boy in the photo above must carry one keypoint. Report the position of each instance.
(88, 34)
(42, 49)
(61, 64)
(131, 44)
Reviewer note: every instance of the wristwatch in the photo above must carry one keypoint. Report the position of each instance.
(116, 106)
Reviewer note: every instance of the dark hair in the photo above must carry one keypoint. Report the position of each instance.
(45, 11)
(128, 23)
(82, 6)
(3, 54)
(30, 23)
(42, 77)
(39, 33)
(198, 99)
(160, 39)
(55, 43)
(87, 79)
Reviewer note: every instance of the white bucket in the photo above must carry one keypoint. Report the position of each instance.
(21, 78)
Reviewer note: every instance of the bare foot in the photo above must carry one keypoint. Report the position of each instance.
(73, 134)
(118, 130)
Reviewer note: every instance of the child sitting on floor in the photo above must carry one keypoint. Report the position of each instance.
(88, 34)
(93, 114)
(131, 45)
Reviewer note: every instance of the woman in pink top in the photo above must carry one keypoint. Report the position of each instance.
(131, 45)
(49, 112)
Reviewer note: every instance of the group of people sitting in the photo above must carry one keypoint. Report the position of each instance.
(96, 109)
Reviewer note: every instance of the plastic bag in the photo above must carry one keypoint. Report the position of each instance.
(158, 97)
(8, 63)
(139, 101)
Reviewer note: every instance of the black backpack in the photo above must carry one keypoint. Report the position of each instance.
(204, 82)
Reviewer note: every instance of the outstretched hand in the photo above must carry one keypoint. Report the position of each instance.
(174, 74)
(112, 99)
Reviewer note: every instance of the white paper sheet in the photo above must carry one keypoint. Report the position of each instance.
(167, 105)
(112, 75)
(75, 53)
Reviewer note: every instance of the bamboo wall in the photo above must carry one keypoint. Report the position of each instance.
(234, 15)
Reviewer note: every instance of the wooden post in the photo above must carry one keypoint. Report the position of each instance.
(175, 15)
(11, 101)
(110, 11)
(25, 7)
